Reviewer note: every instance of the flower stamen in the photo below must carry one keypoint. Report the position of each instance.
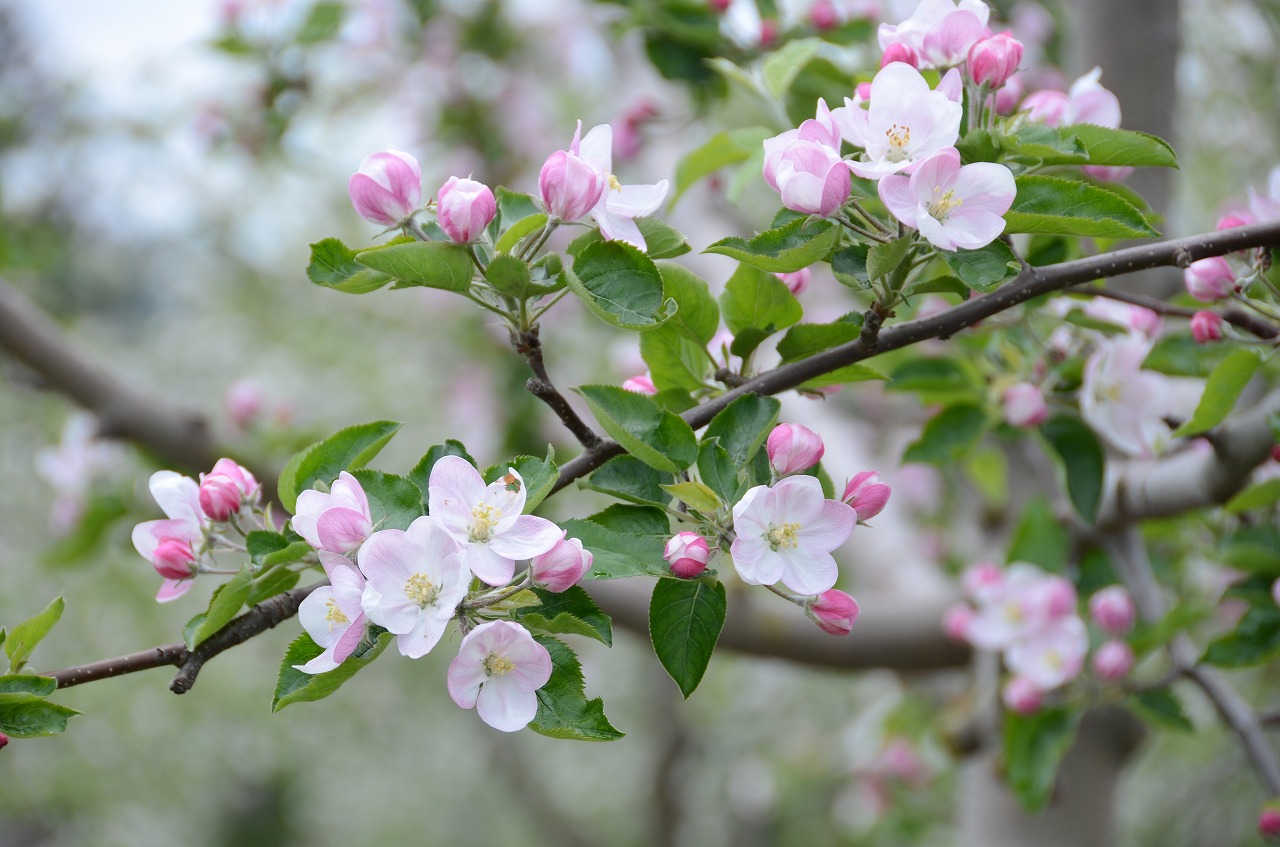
(495, 665)
(420, 590)
(783, 536)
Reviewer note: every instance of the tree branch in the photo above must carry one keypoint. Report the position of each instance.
(1250, 323)
(529, 345)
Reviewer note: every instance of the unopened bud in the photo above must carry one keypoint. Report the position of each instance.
(993, 60)
(899, 52)
(824, 15)
(1024, 405)
(4, 740)
(1112, 610)
(1269, 822)
(1021, 696)
(387, 188)
(561, 567)
(793, 448)
(796, 281)
(1206, 327)
(1113, 661)
(219, 497)
(1210, 279)
(866, 494)
(173, 559)
(687, 553)
(641, 384)
(956, 620)
(833, 611)
(464, 208)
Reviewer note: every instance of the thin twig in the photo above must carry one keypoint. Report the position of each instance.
(529, 345)
(1232, 315)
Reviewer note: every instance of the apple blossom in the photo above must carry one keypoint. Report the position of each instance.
(952, 206)
(941, 31)
(796, 281)
(824, 15)
(1113, 661)
(224, 489)
(1022, 696)
(956, 620)
(1051, 654)
(617, 206)
(71, 467)
(687, 553)
(4, 740)
(1206, 327)
(899, 52)
(1210, 279)
(981, 581)
(1086, 102)
(866, 494)
(1138, 319)
(810, 175)
(1112, 610)
(833, 611)
(171, 545)
(1024, 405)
(1127, 405)
(787, 532)
(487, 521)
(904, 124)
(793, 448)
(387, 188)
(1234, 219)
(993, 60)
(497, 671)
(1010, 95)
(334, 618)
(1002, 614)
(464, 208)
(416, 579)
(561, 567)
(338, 521)
(640, 384)
(1265, 207)
(570, 187)
(1050, 598)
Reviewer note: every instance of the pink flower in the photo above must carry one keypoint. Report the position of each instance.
(464, 208)
(416, 580)
(993, 60)
(1087, 102)
(1234, 219)
(1210, 279)
(497, 671)
(982, 581)
(1050, 598)
(941, 31)
(243, 402)
(833, 611)
(904, 124)
(225, 489)
(1000, 596)
(334, 618)
(793, 448)
(899, 52)
(618, 204)
(1112, 610)
(956, 620)
(1275, 586)
(570, 186)
(787, 532)
(1050, 655)
(687, 553)
(562, 566)
(1010, 95)
(824, 15)
(1137, 319)
(1206, 327)
(1021, 696)
(387, 188)
(1113, 661)
(640, 384)
(1024, 405)
(487, 521)
(170, 544)
(952, 206)
(796, 281)
(866, 494)
(809, 174)
(1126, 405)
(339, 521)
(4, 740)
(1269, 822)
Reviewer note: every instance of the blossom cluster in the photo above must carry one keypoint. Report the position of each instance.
(1031, 617)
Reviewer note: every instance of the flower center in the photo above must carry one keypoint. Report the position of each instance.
(899, 137)
(614, 184)
(334, 615)
(419, 589)
(484, 518)
(495, 665)
(786, 535)
(943, 203)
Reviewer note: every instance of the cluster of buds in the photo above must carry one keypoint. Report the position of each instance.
(387, 190)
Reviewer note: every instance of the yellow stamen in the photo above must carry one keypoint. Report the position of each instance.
(783, 536)
(485, 518)
(495, 665)
(334, 615)
(614, 184)
(419, 589)
(942, 206)
(899, 137)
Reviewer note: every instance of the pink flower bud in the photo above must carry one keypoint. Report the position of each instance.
(1021, 696)
(1048, 106)
(719, 6)
(796, 281)
(642, 384)
(1206, 327)
(387, 188)
(1049, 598)
(862, 92)
(570, 187)
(219, 497)
(687, 552)
(1024, 406)
(1112, 610)
(956, 620)
(1234, 219)
(981, 580)
(824, 15)
(1210, 279)
(1108, 173)
(562, 566)
(464, 208)
(173, 559)
(793, 448)
(1269, 822)
(993, 60)
(833, 611)
(899, 52)
(1113, 661)
(866, 494)
(768, 32)
(243, 402)
(4, 740)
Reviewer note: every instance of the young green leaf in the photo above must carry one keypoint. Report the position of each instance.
(986, 267)
(1034, 746)
(1221, 392)
(1040, 538)
(295, 686)
(25, 715)
(754, 299)
(948, 435)
(432, 264)
(721, 150)
(743, 426)
(39, 686)
(1121, 147)
(348, 448)
(24, 637)
(624, 541)
(394, 501)
(563, 708)
(786, 249)
(333, 265)
(630, 479)
(621, 285)
(1083, 460)
(696, 496)
(1050, 204)
(571, 612)
(685, 619)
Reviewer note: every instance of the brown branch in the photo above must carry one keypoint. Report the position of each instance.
(529, 345)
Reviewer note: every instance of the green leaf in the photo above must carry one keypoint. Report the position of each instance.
(1160, 707)
(1178, 354)
(884, 259)
(653, 435)
(510, 276)
(725, 148)
(1038, 144)
(1255, 549)
(267, 549)
(295, 686)
(1050, 204)
(394, 501)
(948, 435)
(1150, 636)
(24, 637)
(850, 266)
(539, 475)
(1221, 392)
(676, 351)
(755, 299)
(1255, 640)
(620, 285)
(24, 715)
(333, 265)
(1082, 459)
(630, 479)
(685, 619)
(322, 24)
(432, 264)
(662, 241)
(421, 473)
(945, 284)
(698, 316)
(563, 708)
(746, 342)
(743, 426)
(1261, 496)
(988, 470)
(804, 340)
(38, 686)
(935, 377)
(1034, 746)
(624, 541)
(518, 230)
(1120, 147)
(781, 67)
(1040, 538)
(224, 605)
(986, 267)
(275, 581)
(695, 495)
(348, 448)
(783, 250)
(572, 612)
(719, 472)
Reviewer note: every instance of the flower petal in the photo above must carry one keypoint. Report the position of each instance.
(506, 705)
